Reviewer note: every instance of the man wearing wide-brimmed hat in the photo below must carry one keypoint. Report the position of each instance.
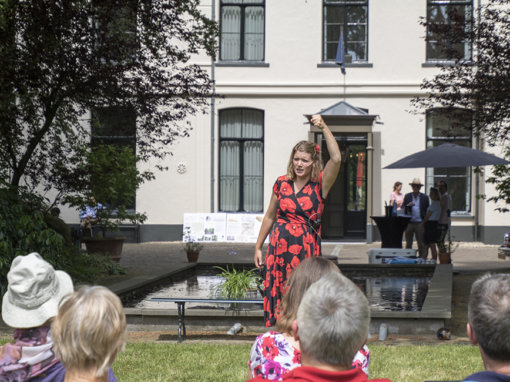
(416, 204)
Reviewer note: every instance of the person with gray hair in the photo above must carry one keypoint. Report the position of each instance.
(331, 326)
(489, 326)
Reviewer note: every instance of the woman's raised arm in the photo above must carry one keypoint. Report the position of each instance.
(333, 166)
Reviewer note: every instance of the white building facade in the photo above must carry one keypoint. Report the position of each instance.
(276, 65)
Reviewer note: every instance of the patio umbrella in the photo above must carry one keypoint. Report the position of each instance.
(448, 155)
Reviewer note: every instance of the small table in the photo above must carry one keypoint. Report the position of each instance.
(181, 308)
(391, 229)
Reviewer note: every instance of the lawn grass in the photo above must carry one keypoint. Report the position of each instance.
(229, 362)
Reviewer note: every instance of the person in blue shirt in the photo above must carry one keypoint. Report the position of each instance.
(88, 216)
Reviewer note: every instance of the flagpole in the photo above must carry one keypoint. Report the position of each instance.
(344, 85)
(340, 55)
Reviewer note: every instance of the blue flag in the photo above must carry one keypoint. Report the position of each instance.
(340, 51)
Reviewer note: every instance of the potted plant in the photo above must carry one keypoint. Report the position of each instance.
(192, 249)
(111, 178)
(446, 258)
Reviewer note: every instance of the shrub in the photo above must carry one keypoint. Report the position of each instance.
(23, 230)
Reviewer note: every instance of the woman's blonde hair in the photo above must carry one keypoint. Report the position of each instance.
(309, 271)
(312, 149)
(89, 329)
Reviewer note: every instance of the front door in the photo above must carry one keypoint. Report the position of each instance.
(345, 214)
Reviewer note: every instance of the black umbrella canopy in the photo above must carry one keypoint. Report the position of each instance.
(448, 155)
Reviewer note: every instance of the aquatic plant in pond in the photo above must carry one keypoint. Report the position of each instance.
(238, 282)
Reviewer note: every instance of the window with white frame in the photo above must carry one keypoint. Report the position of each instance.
(242, 30)
(241, 160)
(447, 34)
(350, 17)
(453, 126)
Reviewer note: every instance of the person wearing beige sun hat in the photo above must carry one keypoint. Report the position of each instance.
(35, 290)
(416, 203)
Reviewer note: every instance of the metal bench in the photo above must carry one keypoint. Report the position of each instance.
(181, 308)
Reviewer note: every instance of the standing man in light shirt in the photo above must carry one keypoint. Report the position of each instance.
(417, 202)
(443, 224)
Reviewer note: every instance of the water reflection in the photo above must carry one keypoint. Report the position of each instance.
(394, 293)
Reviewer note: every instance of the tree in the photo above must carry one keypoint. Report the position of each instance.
(62, 60)
(480, 84)
(500, 177)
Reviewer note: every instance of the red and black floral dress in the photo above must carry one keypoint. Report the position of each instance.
(296, 235)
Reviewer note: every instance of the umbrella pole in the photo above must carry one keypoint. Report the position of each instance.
(450, 237)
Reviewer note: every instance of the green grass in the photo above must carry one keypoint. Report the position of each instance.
(228, 362)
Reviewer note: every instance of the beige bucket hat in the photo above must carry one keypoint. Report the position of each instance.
(416, 182)
(34, 292)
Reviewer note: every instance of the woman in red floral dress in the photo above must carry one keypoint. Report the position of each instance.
(294, 213)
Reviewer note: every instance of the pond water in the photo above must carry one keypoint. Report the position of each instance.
(384, 292)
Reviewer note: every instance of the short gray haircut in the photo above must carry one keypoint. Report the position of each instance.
(489, 314)
(333, 320)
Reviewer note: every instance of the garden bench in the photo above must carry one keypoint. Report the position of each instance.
(181, 308)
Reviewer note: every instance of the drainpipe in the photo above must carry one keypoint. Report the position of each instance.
(213, 100)
(477, 175)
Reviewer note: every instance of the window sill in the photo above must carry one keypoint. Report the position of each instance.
(351, 65)
(441, 63)
(250, 64)
(460, 216)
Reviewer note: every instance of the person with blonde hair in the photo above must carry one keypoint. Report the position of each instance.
(275, 353)
(294, 215)
(331, 325)
(88, 331)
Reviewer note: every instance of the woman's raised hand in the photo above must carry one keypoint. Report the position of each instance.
(317, 121)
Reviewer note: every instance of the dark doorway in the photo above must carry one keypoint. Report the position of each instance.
(345, 214)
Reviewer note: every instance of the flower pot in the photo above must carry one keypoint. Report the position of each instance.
(444, 258)
(108, 246)
(192, 256)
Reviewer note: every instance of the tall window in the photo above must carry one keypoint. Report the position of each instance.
(115, 126)
(454, 126)
(115, 29)
(350, 16)
(241, 160)
(447, 34)
(242, 30)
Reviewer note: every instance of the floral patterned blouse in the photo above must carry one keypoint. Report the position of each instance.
(272, 356)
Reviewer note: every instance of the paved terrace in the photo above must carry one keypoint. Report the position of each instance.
(156, 257)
